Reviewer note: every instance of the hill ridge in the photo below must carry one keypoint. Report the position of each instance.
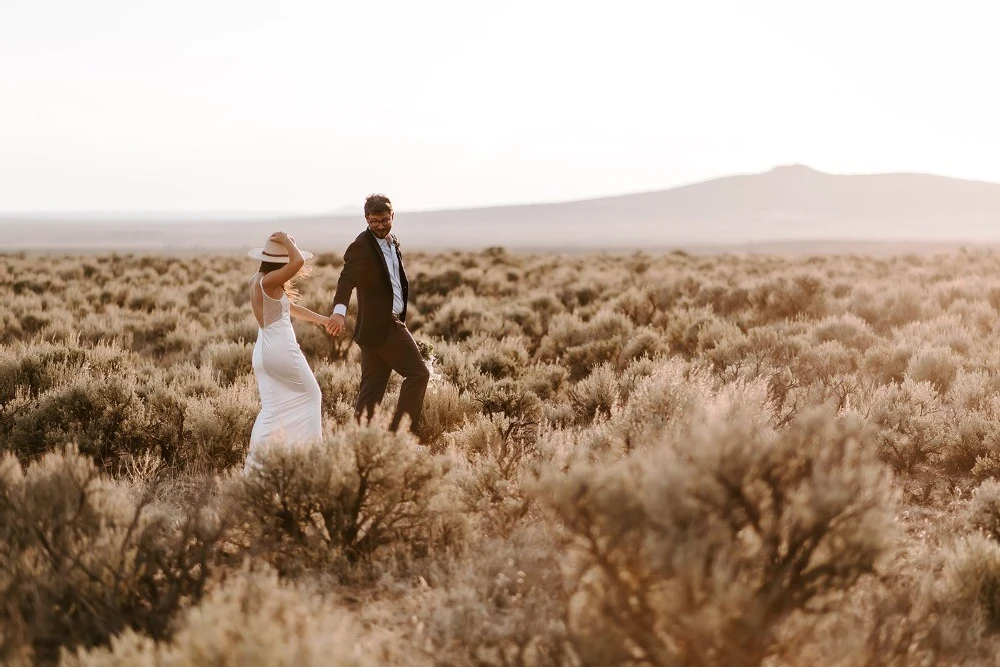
(788, 203)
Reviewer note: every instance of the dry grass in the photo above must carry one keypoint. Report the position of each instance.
(623, 460)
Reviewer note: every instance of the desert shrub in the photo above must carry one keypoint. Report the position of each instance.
(971, 578)
(580, 346)
(637, 305)
(823, 362)
(682, 328)
(725, 299)
(974, 436)
(912, 427)
(595, 395)
(698, 552)
(942, 331)
(713, 332)
(83, 562)
(253, 619)
(936, 365)
(454, 364)
(32, 323)
(329, 259)
(442, 283)
(198, 293)
(983, 512)
(217, 428)
(644, 342)
(39, 367)
(38, 285)
(102, 415)
(152, 334)
(987, 466)
(975, 391)
(559, 414)
(761, 352)
(504, 607)
(787, 297)
(238, 330)
(496, 443)
(463, 317)
(847, 329)
(445, 409)
(663, 400)
(338, 383)
(546, 307)
(529, 323)
(189, 380)
(545, 380)
(887, 361)
(107, 325)
(579, 295)
(499, 281)
(977, 316)
(897, 308)
(728, 347)
(490, 488)
(633, 375)
(510, 398)
(357, 495)
(500, 358)
(230, 360)
(476, 438)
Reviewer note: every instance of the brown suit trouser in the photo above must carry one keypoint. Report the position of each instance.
(398, 353)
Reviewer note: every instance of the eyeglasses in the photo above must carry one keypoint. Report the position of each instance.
(378, 222)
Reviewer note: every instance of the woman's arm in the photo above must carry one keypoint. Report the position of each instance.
(273, 281)
(309, 316)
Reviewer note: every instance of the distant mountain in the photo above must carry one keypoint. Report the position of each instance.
(786, 204)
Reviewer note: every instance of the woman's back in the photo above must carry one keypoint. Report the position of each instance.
(266, 309)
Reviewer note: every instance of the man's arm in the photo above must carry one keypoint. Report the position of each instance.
(345, 287)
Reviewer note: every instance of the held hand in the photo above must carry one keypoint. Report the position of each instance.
(334, 324)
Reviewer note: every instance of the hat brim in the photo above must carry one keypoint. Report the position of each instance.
(258, 253)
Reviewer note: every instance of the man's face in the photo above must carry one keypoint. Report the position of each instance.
(380, 223)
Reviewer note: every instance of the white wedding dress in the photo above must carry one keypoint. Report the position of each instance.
(290, 410)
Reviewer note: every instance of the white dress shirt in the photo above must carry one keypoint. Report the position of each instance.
(391, 261)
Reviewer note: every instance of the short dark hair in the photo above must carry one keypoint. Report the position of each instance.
(377, 204)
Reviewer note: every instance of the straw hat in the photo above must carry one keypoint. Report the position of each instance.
(275, 252)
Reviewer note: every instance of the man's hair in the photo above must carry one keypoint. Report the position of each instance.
(377, 205)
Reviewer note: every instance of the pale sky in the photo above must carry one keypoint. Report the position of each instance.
(305, 106)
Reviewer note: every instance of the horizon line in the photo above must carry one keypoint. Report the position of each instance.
(230, 215)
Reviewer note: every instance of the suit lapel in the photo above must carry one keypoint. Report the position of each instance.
(377, 249)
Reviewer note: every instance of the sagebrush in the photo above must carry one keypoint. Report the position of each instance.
(623, 460)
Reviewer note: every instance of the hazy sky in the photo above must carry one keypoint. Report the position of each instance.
(307, 106)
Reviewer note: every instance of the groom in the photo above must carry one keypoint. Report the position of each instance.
(374, 266)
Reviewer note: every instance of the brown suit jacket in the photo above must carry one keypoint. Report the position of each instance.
(365, 270)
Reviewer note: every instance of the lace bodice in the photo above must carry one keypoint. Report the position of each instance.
(274, 309)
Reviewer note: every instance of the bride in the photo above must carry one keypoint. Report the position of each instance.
(289, 394)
